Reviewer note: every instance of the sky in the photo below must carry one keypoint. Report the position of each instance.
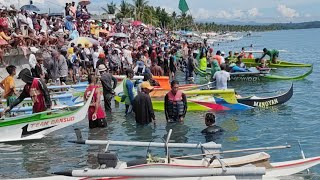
(260, 11)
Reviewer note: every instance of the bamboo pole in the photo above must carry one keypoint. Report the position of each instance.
(235, 151)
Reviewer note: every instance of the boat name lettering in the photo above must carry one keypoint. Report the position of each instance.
(62, 120)
(244, 78)
(52, 122)
(266, 103)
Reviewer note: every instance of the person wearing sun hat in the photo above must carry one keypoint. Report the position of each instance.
(142, 105)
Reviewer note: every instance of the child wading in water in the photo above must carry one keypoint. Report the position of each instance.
(96, 115)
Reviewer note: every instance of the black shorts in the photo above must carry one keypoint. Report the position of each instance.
(98, 123)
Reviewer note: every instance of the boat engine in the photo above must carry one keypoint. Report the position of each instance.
(108, 159)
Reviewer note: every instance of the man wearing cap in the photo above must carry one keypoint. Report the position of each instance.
(109, 83)
(34, 88)
(142, 105)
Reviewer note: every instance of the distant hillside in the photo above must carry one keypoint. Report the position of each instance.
(303, 25)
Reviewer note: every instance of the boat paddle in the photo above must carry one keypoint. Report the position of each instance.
(236, 151)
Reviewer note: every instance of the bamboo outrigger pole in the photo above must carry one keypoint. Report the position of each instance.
(235, 151)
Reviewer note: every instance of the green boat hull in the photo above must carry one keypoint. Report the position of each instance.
(280, 64)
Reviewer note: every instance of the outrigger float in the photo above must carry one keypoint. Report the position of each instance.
(38, 125)
(211, 166)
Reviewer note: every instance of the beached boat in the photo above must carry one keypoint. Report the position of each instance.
(38, 125)
(255, 101)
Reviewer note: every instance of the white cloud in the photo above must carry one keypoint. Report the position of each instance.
(254, 12)
(237, 13)
(202, 14)
(287, 12)
(307, 15)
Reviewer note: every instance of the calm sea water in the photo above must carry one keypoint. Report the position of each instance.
(297, 120)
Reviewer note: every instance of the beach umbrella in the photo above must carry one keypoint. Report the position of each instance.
(136, 23)
(84, 2)
(84, 40)
(120, 35)
(30, 7)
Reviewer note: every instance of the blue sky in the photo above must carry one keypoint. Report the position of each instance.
(216, 10)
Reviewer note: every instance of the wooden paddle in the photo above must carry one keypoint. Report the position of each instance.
(235, 151)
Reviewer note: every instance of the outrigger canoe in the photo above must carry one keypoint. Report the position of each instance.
(198, 100)
(280, 64)
(255, 75)
(180, 167)
(255, 101)
(38, 125)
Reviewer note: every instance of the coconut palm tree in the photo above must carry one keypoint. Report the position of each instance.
(140, 6)
(111, 8)
(126, 10)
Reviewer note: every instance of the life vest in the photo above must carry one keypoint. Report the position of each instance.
(203, 64)
(175, 104)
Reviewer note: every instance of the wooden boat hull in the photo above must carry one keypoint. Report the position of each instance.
(269, 101)
(36, 126)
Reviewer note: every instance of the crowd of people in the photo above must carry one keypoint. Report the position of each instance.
(112, 48)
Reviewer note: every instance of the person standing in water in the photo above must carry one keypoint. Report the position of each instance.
(128, 90)
(109, 83)
(175, 104)
(274, 54)
(96, 115)
(142, 105)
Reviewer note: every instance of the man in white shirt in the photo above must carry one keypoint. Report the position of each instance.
(29, 21)
(223, 61)
(43, 24)
(222, 77)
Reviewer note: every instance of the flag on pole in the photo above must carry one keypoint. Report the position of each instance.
(183, 6)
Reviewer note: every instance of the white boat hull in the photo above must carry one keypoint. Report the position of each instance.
(29, 127)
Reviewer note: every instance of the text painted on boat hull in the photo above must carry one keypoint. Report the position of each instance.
(52, 122)
(266, 103)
